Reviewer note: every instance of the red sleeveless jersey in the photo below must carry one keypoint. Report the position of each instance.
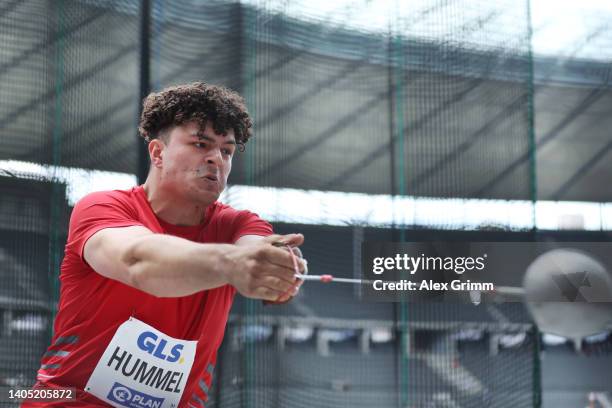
(91, 306)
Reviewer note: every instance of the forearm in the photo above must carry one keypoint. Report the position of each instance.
(168, 266)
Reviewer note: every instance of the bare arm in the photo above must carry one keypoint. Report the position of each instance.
(168, 266)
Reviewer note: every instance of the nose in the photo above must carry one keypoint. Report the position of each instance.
(215, 157)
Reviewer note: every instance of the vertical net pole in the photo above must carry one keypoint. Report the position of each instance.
(56, 190)
(531, 117)
(145, 80)
(537, 372)
(249, 32)
(396, 50)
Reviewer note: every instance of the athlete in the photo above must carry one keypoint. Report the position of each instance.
(149, 274)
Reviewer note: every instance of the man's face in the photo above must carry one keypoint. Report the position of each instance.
(195, 163)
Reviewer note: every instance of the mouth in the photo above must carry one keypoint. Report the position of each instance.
(211, 177)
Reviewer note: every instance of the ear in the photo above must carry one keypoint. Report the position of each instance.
(156, 152)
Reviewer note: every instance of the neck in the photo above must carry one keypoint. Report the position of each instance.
(170, 208)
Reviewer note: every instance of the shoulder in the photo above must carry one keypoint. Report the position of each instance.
(227, 213)
(124, 201)
(99, 210)
(113, 204)
(236, 223)
(117, 197)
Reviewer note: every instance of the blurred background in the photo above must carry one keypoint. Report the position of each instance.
(475, 120)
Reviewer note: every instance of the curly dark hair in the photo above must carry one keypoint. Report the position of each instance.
(199, 102)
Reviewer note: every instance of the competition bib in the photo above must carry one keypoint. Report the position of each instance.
(142, 367)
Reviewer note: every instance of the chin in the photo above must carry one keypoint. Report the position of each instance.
(206, 197)
(204, 194)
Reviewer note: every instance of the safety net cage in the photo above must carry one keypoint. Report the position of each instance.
(374, 121)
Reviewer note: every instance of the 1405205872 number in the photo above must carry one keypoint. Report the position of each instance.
(42, 394)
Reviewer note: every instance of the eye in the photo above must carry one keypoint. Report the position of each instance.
(226, 152)
(200, 145)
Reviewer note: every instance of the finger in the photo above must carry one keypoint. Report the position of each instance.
(298, 254)
(283, 258)
(273, 239)
(288, 294)
(288, 239)
(275, 283)
(277, 302)
(265, 293)
(283, 299)
(293, 240)
(296, 251)
(277, 272)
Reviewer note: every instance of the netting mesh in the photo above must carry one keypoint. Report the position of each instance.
(352, 94)
(68, 72)
(428, 99)
(70, 85)
(29, 245)
(387, 112)
(328, 349)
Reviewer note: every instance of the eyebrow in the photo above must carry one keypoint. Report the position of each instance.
(202, 136)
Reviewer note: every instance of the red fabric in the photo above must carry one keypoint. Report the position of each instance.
(92, 307)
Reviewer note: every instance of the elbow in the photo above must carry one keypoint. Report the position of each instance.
(137, 268)
(139, 277)
(136, 277)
